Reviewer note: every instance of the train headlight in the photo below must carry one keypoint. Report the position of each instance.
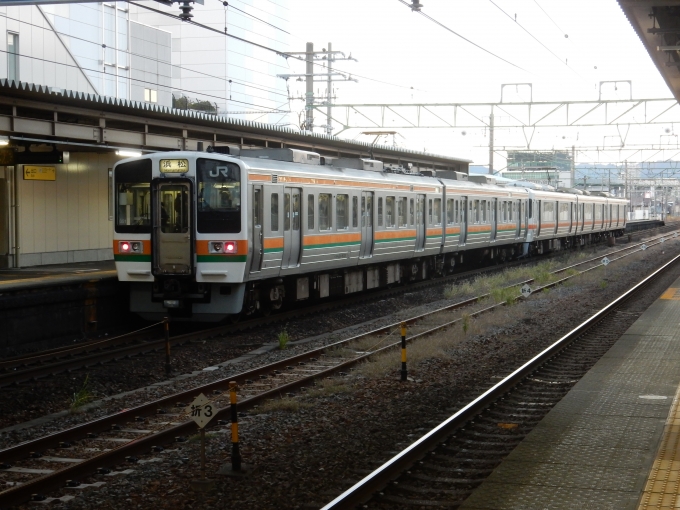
(227, 247)
(130, 247)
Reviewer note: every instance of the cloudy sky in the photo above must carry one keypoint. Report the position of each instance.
(564, 49)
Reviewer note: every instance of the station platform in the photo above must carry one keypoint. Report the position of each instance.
(60, 274)
(613, 442)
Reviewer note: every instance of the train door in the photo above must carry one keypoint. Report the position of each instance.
(420, 223)
(494, 216)
(366, 224)
(292, 233)
(257, 214)
(172, 235)
(463, 220)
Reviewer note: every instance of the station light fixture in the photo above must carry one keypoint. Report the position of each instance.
(128, 153)
(4, 140)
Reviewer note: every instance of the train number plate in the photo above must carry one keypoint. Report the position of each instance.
(174, 166)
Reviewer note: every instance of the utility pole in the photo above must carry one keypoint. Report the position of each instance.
(491, 142)
(311, 56)
(309, 93)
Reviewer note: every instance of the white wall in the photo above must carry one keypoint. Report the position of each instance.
(67, 220)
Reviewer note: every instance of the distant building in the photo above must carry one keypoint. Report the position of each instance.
(542, 167)
(121, 50)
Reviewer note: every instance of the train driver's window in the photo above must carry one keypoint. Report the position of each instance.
(341, 213)
(402, 207)
(310, 212)
(275, 212)
(380, 212)
(324, 211)
(449, 211)
(437, 212)
(355, 211)
(390, 212)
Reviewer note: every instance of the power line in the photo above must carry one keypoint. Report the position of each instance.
(142, 81)
(226, 4)
(464, 38)
(535, 38)
(548, 15)
(262, 46)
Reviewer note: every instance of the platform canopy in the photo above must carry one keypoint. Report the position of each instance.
(657, 23)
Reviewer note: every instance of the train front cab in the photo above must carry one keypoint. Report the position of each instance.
(178, 236)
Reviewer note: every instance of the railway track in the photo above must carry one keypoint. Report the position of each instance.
(444, 466)
(22, 369)
(46, 463)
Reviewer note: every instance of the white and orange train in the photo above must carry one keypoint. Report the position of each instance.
(205, 236)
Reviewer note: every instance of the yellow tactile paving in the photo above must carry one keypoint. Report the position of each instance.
(672, 293)
(662, 490)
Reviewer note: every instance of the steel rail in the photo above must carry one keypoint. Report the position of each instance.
(22, 492)
(365, 488)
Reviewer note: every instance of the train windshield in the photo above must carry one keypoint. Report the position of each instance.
(133, 197)
(219, 197)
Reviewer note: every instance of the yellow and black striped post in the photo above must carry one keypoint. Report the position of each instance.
(235, 451)
(404, 372)
(166, 327)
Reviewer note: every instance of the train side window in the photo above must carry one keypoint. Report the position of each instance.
(355, 211)
(380, 212)
(341, 216)
(324, 211)
(403, 212)
(449, 211)
(429, 212)
(310, 212)
(437, 212)
(257, 204)
(390, 213)
(411, 209)
(531, 209)
(275, 212)
(483, 218)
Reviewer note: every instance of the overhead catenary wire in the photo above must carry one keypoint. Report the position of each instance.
(228, 5)
(464, 38)
(536, 39)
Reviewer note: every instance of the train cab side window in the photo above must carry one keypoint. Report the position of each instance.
(310, 212)
(355, 211)
(341, 213)
(324, 211)
(275, 212)
(437, 212)
(133, 197)
(380, 212)
(219, 196)
(449, 211)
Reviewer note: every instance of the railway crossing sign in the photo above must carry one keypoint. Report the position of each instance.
(605, 261)
(525, 290)
(643, 247)
(201, 410)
